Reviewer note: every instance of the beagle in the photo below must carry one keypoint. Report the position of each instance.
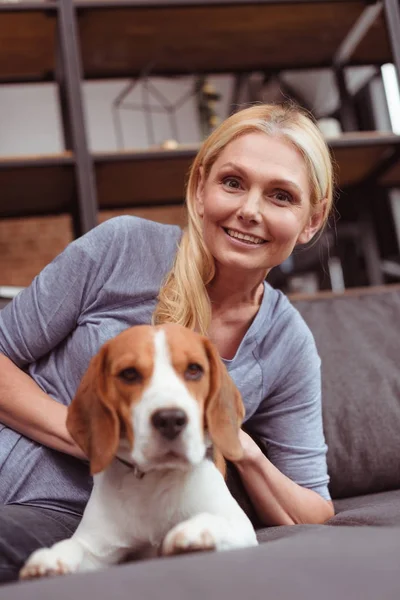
(152, 402)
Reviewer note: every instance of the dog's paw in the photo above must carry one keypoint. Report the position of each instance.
(44, 563)
(193, 535)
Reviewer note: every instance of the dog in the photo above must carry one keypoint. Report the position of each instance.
(152, 405)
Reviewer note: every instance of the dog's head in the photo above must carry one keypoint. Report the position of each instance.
(155, 396)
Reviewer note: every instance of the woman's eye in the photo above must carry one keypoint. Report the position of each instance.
(129, 375)
(194, 372)
(231, 182)
(283, 197)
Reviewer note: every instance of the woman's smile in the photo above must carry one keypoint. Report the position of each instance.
(244, 239)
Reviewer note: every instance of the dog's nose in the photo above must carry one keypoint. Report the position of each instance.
(169, 422)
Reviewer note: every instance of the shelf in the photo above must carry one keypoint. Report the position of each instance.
(37, 185)
(392, 177)
(122, 38)
(27, 42)
(126, 179)
(145, 178)
(358, 154)
(126, 38)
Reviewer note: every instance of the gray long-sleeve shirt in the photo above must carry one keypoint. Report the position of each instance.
(109, 280)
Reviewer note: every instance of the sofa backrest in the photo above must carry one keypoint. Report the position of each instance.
(358, 338)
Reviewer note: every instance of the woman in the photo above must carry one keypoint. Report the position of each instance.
(260, 185)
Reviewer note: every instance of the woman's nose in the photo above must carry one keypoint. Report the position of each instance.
(250, 209)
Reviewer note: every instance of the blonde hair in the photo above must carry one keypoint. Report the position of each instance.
(183, 297)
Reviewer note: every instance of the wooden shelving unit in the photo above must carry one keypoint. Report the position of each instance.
(67, 42)
(123, 38)
(129, 38)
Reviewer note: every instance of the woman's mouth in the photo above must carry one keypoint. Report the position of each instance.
(244, 238)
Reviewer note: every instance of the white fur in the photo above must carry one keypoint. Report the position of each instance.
(180, 504)
(166, 390)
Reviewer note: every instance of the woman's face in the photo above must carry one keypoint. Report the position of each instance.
(255, 204)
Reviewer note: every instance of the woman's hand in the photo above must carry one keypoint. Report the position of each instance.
(277, 499)
(251, 452)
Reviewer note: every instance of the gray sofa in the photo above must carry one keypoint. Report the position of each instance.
(355, 555)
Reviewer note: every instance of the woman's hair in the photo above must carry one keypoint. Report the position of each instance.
(183, 297)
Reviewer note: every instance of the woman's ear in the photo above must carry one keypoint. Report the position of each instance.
(200, 193)
(314, 223)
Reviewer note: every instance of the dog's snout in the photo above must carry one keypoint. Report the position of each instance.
(169, 422)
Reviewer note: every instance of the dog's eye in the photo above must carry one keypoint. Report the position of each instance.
(194, 371)
(129, 375)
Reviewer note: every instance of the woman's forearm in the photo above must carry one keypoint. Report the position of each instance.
(276, 498)
(30, 411)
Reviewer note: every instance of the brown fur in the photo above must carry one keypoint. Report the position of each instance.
(100, 410)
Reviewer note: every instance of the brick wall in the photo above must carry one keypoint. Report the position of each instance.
(28, 245)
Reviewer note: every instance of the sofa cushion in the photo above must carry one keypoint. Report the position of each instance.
(332, 563)
(373, 509)
(358, 339)
(279, 532)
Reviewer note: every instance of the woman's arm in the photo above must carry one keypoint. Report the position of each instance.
(276, 498)
(27, 409)
(32, 326)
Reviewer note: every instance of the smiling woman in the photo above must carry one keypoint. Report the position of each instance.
(265, 172)
(260, 185)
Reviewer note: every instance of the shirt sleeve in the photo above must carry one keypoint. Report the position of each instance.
(46, 312)
(288, 422)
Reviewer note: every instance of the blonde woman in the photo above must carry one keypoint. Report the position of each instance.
(260, 185)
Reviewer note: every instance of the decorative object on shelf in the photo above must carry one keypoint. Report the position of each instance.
(207, 97)
(330, 127)
(170, 145)
(153, 100)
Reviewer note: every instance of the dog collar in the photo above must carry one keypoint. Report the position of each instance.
(133, 466)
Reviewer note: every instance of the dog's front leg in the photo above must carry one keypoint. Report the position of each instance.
(206, 532)
(216, 523)
(101, 539)
(63, 557)
(91, 547)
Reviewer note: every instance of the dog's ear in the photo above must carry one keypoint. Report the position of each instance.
(92, 420)
(224, 410)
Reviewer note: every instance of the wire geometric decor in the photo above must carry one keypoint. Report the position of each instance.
(154, 101)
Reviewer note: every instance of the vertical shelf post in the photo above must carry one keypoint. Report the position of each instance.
(85, 217)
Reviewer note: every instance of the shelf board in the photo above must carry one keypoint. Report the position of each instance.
(37, 185)
(358, 154)
(392, 177)
(145, 178)
(27, 41)
(148, 180)
(123, 39)
(126, 179)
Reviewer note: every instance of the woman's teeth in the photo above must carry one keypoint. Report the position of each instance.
(251, 239)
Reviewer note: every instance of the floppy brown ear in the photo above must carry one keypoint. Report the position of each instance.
(91, 420)
(224, 410)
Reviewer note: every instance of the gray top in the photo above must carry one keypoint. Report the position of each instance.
(108, 280)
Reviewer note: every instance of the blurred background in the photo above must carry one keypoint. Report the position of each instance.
(103, 105)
